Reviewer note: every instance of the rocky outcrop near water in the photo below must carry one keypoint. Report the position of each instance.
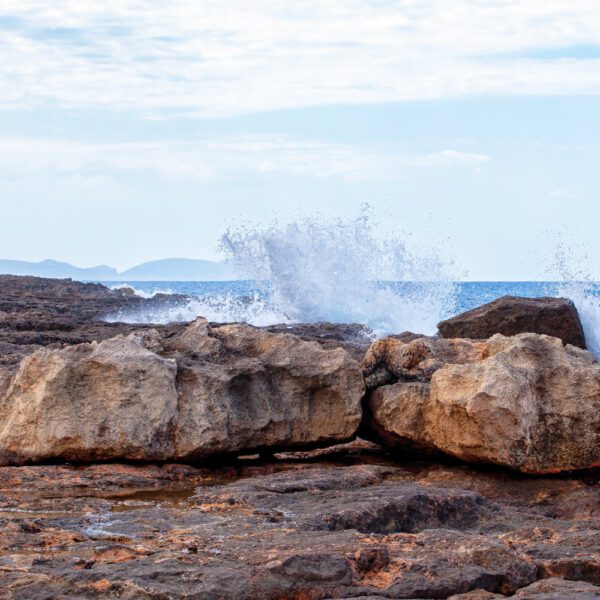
(511, 315)
(347, 522)
(209, 459)
(526, 401)
(55, 313)
(202, 392)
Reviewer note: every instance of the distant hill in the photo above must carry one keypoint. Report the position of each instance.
(170, 269)
(179, 269)
(55, 269)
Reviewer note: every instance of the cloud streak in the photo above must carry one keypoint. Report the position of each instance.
(218, 58)
(221, 159)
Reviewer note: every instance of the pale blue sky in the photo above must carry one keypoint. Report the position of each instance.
(134, 131)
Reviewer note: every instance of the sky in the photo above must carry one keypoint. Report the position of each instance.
(139, 130)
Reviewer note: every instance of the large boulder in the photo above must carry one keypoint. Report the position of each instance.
(526, 402)
(248, 389)
(89, 402)
(511, 315)
(200, 393)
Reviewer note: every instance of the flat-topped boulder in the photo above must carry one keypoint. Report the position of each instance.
(202, 392)
(525, 402)
(511, 315)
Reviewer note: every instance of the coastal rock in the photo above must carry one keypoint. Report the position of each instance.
(546, 589)
(511, 315)
(202, 392)
(330, 526)
(36, 312)
(525, 402)
(245, 389)
(352, 337)
(90, 402)
(392, 359)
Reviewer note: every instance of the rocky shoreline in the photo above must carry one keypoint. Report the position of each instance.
(202, 460)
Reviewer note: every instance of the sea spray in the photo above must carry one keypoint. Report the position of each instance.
(586, 297)
(139, 292)
(344, 271)
(313, 270)
(571, 261)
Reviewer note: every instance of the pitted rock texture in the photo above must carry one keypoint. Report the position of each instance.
(36, 312)
(547, 589)
(526, 402)
(512, 315)
(353, 337)
(340, 523)
(199, 393)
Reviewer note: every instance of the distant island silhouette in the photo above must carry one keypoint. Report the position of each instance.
(169, 269)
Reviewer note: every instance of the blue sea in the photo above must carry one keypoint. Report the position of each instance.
(385, 307)
(468, 294)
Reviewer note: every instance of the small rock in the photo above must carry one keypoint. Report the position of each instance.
(511, 315)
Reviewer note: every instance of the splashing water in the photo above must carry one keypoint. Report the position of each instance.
(217, 308)
(586, 297)
(141, 293)
(314, 270)
(341, 271)
(569, 262)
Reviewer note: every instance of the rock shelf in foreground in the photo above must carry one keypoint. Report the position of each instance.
(327, 525)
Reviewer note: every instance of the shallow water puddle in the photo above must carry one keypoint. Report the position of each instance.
(171, 498)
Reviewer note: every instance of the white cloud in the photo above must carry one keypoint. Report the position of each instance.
(217, 159)
(221, 57)
(561, 195)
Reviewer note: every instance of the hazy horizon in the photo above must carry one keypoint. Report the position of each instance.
(124, 272)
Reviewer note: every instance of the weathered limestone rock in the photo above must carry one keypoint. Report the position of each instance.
(253, 390)
(90, 402)
(200, 393)
(525, 401)
(511, 315)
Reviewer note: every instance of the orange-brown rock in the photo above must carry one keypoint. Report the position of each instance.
(525, 402)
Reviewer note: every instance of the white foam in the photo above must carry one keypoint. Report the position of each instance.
(588, 306)
(220, 308)
(140, 293)
(332, 271)
(326, 271)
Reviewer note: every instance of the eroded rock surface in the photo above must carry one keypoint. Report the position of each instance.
(202, 392)
(512, 315)
(525, 401)
(348, 523)
(36, 312)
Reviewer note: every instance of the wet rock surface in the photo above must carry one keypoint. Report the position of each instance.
(37, 312)
(348, 522)
(511, 315)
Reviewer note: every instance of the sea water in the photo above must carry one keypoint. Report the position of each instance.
(348, 271)
(251, 302)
